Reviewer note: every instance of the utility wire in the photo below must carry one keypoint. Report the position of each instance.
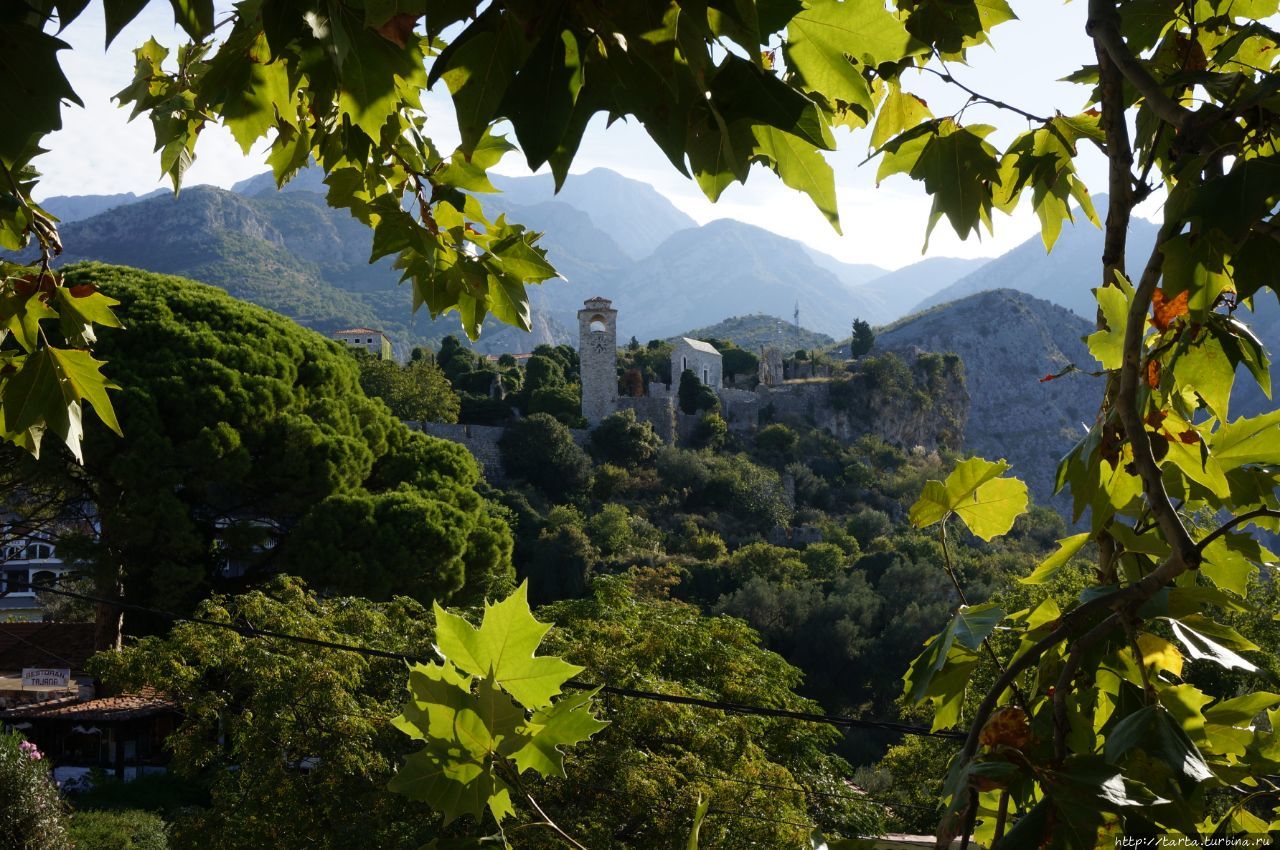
(800, 789)
(839, 721)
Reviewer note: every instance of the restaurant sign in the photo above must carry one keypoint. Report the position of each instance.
(45, 678)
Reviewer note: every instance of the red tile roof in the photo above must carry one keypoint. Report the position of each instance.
(45, 645)
(122, 707)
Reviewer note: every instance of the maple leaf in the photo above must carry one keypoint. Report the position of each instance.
(504, 647)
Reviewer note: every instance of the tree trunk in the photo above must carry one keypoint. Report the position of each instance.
(108, 619)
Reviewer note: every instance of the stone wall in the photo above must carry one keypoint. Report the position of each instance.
(740, 408)
(480, 440)
(658, 410)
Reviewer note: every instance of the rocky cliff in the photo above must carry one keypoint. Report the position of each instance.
(908, 399)
(1008, 341)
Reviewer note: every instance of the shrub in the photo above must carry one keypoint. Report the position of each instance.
(711, 431)
(777, 443)
(622, 440)
(126, 830)
(32, 814)
(542, 451)
(694, 395)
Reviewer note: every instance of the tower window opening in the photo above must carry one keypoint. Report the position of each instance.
(598, 324)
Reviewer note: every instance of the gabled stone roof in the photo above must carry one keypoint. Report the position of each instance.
(699, 345)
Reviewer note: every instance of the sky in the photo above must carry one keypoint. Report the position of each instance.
(99, 151)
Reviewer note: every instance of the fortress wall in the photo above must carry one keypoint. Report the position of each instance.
(480, 440)
(658, 411)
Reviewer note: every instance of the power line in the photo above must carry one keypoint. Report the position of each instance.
(839, 721)
(800, 789)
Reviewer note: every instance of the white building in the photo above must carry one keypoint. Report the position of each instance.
(24, 563)
(371, 340)
(698, 357)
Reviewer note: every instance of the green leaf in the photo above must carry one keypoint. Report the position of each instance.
(898, 112)
(23, 315)
(81, 379)
(1247, 441)
(374, 72)
(1205, 368)
(194, 16)
(742, 91)
(1232, 559)
(801, 167)
(1067, 549)
(987, 504)
(1241, 710)
(1107, 345)
(972, 624)
(958, 169)
(452, 786)
(540, 100)
(504, 647)
(33, 90)
(478, 67)
(566, 723)
(80, 309)
(1153, 730)
(252, 86)
(993, 507)
(819, 38)
(1199, 646)
(118, 15)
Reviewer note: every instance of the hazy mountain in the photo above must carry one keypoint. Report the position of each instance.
(758, 330)
(288, 252)
(900, 291)
(1008, 341)
(850, 274)
(635, 214)
(726, 267)
(68, 208)
(1063, 276)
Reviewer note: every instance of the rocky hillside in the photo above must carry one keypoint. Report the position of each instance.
(1008, 341)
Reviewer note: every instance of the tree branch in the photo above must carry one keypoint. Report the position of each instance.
(1204, 542)
(1130, 414)
(1103, 27)
(946, 76)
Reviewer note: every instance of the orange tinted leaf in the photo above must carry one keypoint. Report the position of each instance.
(1153, 373)
(1007, 727)
(1165, 311)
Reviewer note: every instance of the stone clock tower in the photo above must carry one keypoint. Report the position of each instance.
(598, 355)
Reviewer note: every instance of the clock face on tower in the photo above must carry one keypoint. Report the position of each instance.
(598, 342)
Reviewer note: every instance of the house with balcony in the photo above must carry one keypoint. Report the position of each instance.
(25, 562)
